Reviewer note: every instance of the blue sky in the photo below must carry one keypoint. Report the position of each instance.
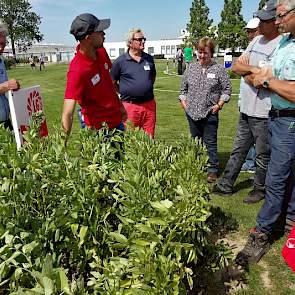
(157, 18)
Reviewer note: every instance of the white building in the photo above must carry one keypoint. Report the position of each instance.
(64, 53)
(165, 47)
(51, 52)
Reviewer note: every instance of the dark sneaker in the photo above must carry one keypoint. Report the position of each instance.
(257, 245)
(254, 196)
(217, 190)
(211, 177)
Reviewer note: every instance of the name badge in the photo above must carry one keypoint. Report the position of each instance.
(147, 67)
(106, 66)
(210, 76)
(95, 79)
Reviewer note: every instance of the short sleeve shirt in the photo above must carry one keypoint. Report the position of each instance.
(4, 106)
(256, 102)
(90, 84)
(283, 65)
(136, 79)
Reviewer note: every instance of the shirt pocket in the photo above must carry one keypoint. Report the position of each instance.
(288, 70)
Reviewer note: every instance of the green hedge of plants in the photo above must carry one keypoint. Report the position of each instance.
(78, 220)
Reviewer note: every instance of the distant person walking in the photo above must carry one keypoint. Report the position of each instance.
(32, 62)
(188, 55)
(179, 58)
(42, 62)
(134, 75)
(5, 84)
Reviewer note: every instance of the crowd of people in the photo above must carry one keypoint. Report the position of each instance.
(114, 92)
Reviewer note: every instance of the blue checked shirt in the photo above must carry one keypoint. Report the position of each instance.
(4, 106)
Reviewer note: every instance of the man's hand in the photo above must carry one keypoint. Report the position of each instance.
(9, 85)
(244, 59)
(264, 74)
(12, 84)
(67, 116)
(217, 107)
(183, 103)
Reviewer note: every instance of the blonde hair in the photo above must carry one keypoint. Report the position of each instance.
(289, 4)
(130, 35)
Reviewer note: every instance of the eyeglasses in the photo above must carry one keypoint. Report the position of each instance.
(139, 39)
(282, 15)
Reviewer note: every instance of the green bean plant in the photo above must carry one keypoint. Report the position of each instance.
(110, 213)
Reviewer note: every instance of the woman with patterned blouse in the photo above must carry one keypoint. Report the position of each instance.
(205, 87)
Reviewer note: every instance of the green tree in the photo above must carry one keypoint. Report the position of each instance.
(262, 3)
(23, 24)
(199, 25)
(231, 33)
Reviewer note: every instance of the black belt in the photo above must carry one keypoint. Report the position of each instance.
(137, 102)
(273, 113)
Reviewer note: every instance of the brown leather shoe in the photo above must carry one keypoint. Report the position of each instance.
(211, 177)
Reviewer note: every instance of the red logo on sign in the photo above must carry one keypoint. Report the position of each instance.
(34, 103)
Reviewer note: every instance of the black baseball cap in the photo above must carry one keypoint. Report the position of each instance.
(86, 23)
(268, 11)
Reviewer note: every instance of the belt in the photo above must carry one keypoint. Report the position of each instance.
(273, 113)
(137, 102)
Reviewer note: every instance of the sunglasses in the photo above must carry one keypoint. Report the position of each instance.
(282, 15)
(139, 39)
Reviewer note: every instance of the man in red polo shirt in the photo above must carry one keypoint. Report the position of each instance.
(88, 81)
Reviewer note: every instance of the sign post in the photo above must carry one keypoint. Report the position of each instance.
(23, 103)
(228, 60)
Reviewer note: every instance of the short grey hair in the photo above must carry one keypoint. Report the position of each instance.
(288, 4)
(3, 29)
(130, 35)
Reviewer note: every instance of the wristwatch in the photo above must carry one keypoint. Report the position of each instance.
(265, 83)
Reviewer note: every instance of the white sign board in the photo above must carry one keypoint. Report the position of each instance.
(23, 103)
(228, 60)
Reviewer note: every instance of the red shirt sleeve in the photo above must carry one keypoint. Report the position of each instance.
(75, 86)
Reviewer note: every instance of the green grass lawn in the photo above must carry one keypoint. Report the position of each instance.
(271, 275)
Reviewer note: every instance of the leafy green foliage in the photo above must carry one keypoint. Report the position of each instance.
(90, 218)
(199, 25)
(231, 33)
(9, 62)
(23, 24)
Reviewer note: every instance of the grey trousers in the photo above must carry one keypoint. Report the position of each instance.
(251, 130)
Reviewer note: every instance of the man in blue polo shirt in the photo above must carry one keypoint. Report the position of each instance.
(134, 74)
(5, 84)
(280, 80)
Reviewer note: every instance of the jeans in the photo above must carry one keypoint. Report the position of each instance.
(206, 130)
(83, 125)
(282, 142)
(251, 130)
(250, 160)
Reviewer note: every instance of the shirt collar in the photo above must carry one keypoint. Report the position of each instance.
(128, 56)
